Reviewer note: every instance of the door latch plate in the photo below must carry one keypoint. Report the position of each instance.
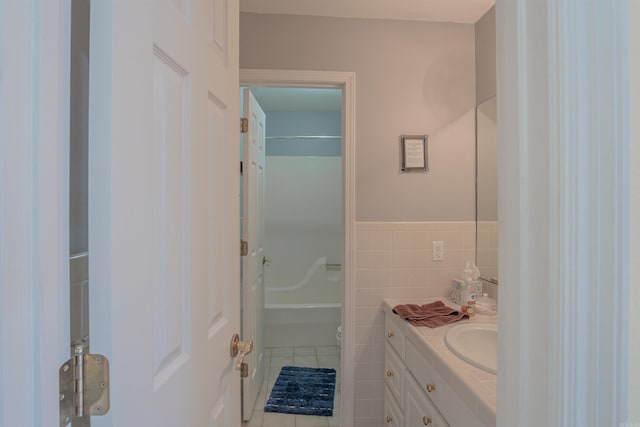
(244, 370)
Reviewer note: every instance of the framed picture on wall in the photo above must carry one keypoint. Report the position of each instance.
(414, 153)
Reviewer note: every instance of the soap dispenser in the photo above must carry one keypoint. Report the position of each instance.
(468, 294)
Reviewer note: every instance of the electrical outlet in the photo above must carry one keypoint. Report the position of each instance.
(438, 250)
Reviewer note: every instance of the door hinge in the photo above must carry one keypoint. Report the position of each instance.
(244, 248)
(84, 385)
(241, 168)
(244, 125)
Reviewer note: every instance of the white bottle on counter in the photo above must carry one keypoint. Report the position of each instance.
(468, 292)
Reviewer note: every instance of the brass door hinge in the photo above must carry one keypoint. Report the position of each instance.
(244, 248)
(84, 385)
(244, 125)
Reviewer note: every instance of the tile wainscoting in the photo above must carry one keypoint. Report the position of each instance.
(394, 259)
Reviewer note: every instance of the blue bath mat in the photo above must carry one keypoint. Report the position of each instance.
(305, 391)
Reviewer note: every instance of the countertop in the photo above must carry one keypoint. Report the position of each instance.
(474, 386)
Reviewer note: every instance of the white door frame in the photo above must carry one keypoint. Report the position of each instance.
(634, 215)
(347, 82)
(34, 208)
(564, 212)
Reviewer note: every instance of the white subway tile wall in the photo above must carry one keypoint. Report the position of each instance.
(394, 259)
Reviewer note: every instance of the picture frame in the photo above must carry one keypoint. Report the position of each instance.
(414, 153)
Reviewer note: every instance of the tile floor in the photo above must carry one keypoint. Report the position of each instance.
(311, 357)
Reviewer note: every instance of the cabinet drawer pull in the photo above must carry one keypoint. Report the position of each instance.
(426, 420)
(431, 387)
(388, 419)
(389, 334)
(389, 374)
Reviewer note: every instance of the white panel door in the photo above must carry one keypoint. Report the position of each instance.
(253, 264)
(164, 198)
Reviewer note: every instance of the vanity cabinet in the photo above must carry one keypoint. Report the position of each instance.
(418, 408)
(394, 372)
(392, 412)
(415, 393)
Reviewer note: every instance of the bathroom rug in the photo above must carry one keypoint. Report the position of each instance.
(303, 391)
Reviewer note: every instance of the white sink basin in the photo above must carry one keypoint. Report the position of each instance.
(475, 343)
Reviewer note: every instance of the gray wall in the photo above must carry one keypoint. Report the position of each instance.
(486, 56)
(412, 78)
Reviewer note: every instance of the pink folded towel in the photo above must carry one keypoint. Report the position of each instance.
(432, 315)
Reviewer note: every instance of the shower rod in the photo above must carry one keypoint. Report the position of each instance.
(305, 137)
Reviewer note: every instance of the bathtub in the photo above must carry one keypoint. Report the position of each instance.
(307, 313)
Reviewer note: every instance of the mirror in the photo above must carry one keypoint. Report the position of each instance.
(487, 190)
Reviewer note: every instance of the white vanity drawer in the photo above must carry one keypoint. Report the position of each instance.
(394, 335)
(392, 412)
(419, 411)
(432, 384)
(394, 372)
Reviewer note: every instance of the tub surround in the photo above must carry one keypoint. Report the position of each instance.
(301, 326)
(473, 386)
(307, 313)
(303, 216)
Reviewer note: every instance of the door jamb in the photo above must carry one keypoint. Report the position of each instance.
(347, 82)
(34, 208)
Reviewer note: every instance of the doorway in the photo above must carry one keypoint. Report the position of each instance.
(320, 148)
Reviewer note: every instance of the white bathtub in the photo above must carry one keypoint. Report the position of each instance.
(307, 313)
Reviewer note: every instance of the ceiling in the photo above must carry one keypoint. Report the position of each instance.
(460, 11)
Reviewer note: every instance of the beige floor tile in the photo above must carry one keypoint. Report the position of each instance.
(328, 351)
(335, 420)
(311, 421)
(270, 384)
(306, 361)
(260, 401)
(329, 362)
(281, 361)
(336, 399)
(278, 420)
(304, 351)
(253, 422)
(256, 418)
(281, 351)
(272, 373)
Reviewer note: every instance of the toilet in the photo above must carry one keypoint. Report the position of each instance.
(339, 336)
